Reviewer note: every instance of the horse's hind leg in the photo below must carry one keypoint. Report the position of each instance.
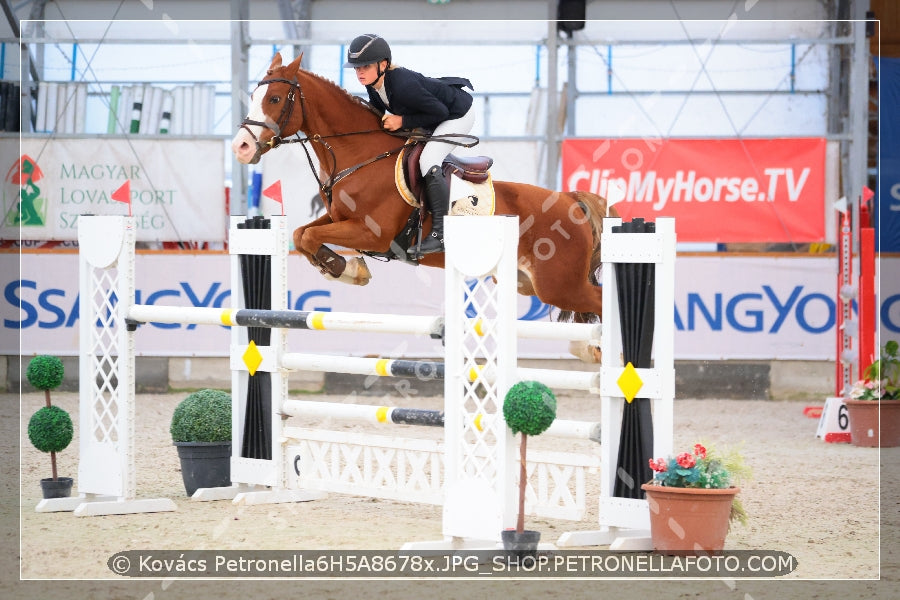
(569, 289)
(566, 284)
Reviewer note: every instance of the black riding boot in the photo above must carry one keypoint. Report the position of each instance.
(437, 200)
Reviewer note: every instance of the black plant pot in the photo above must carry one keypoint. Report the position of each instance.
(204, 464)
(519, 546)
(61, 488)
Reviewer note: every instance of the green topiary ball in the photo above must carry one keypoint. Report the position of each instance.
(50, 429)
(204, 416)
(529, 407)
(45, 372)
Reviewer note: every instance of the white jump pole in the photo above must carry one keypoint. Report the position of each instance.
(387, 415)
(588, 381)
(338, 321)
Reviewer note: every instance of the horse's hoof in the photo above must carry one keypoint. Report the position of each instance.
(585, 352)
(356, 272)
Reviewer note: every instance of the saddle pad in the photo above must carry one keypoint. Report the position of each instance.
(462, 206)
(400, 180)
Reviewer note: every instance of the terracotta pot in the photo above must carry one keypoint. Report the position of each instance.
(864, 426)
(688, 520)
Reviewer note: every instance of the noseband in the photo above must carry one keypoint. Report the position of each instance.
(287, 110)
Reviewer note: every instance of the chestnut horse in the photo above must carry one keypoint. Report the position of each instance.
(559, 237)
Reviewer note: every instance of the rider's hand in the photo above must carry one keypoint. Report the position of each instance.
(392, 122)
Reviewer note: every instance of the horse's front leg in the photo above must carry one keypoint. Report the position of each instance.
(327, 261)
(298, 237)
(331, 264)
(346, 234)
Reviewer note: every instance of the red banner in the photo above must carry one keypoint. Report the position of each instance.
(718, 190)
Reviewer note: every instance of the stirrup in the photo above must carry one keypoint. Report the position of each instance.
(419, 249)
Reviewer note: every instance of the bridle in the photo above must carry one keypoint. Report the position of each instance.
(287, 109)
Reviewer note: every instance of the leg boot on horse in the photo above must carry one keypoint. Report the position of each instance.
(437, 200)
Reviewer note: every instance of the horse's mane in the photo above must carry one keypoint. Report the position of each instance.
(351, 97)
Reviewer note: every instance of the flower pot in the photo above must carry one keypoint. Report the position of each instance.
(689, 520)
(864, 422)
(61, 488)
(204, 464)
(518, 546)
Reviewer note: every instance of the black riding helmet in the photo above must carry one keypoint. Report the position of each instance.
(367, 49)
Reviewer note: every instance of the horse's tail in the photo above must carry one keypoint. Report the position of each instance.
(595, 208)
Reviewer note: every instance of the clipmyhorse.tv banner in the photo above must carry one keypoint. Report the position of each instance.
(724, 190)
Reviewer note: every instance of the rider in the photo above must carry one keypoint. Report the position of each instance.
(408, 100)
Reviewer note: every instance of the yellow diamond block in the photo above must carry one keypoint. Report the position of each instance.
(630, 382)
(252, 358)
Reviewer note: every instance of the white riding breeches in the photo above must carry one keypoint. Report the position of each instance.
(436, 151)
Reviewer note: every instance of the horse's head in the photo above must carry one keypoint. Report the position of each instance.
(272, 114)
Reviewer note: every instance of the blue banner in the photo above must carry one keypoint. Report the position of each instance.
(887, 215)
(887, 221)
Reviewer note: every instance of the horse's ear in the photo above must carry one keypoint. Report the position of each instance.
(294, 67)
(276, 63)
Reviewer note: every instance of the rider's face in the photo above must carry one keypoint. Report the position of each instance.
(367, 74)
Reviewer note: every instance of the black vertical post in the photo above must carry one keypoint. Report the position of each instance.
(635, 283)
(256, 275)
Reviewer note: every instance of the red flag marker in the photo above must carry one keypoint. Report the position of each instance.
(274, 192)
(123, 194)
(867, 194)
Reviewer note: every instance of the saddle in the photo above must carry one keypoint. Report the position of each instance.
(474, 169)
(411, 186)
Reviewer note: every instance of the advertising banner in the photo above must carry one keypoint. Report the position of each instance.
(887, 214)
(42, 305)
(751, 308)
(176, 186)
(726, 190)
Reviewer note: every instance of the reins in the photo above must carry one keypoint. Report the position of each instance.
(416, 135)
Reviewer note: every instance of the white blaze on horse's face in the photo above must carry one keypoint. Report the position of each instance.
(243, 145)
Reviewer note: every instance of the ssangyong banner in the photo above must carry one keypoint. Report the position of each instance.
(723, 190)
(749, 307)
(176, 186)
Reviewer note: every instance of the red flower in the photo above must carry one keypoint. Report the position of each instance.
(659, 465)
(685, 460)
(699, 451)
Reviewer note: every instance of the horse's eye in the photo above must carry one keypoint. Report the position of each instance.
(274, 99)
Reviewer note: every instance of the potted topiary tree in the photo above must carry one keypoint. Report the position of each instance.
(201, 431)
(529, 408)
(50, 429)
